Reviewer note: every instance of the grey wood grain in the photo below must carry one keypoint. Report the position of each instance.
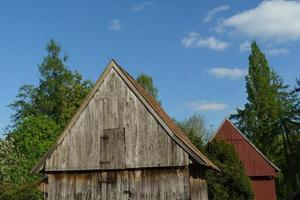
(115, 106)
(166, 184)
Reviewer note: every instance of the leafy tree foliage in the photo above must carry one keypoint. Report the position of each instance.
(147, 82)
(257, 118)
(232, 182)
(271, 119)
(10, 162)
(14, 176)
(24, 192)
(41, 113)
(59, 93)
(197, 129)
(32, 138)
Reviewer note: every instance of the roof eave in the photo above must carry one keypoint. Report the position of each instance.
(256, 149)
(113, 64)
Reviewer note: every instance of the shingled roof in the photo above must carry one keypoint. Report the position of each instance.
(151, 104)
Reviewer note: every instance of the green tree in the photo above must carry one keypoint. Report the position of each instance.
(288, 126)
(232, 182)
(41, 113)
(147, 83)
(10, 162)
(32, 138)
(24, 192)
(257, 119)
(197, 130)
(58, 94)
(13, 171)
(271, 119)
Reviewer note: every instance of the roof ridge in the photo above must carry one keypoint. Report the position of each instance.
(83, 105)
(170, 123)
(251, 144)
(150, 101)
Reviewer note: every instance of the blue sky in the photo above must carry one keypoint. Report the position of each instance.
(197, 52)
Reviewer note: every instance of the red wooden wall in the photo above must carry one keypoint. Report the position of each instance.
(264, 188)
(258, 168)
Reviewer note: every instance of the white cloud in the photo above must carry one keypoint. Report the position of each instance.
(115, 25)
(214, 11)
(231, 73)
(277, 20)
(245, 46)
(206, 106)
(195, 40)
(142, 6)
(278, 51)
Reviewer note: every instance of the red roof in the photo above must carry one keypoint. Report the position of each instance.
(254, 161)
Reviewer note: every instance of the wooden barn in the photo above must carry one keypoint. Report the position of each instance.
(122, 145)
(261, 171)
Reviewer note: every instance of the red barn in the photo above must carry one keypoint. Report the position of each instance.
(261, 171)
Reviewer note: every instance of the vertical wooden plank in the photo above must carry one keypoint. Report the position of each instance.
(198, 185)
(164, 184)
(114, 105)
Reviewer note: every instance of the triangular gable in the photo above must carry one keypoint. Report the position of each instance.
(176, 134)
(240, 135)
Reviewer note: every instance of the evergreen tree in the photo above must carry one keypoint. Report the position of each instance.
(41, 113)
(59, 93)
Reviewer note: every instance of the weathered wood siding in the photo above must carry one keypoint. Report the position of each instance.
(90, 144)
(162, 184)
(198, 185)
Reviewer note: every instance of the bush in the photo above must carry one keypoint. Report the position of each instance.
(24, 192)
(232, 182)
